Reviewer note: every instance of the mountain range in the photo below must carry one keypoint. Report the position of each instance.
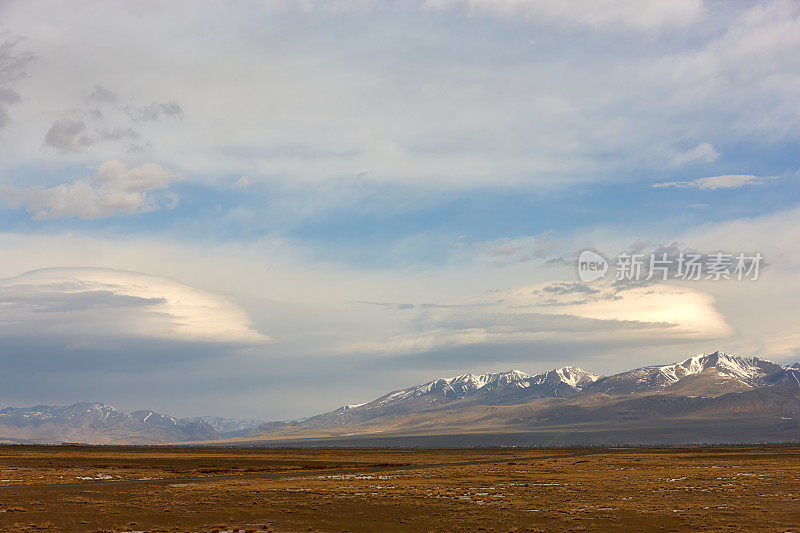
(230, 427)
(714, 397)
(97, 423)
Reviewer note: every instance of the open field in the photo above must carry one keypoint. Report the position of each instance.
(75, 488)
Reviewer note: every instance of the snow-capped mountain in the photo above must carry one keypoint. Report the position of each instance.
(710, 397)
(750, 370)
(560, 382)
(86, 414)
(707, 373)
(716, 385)
(458, 392)
(563, 381)
(94, 422)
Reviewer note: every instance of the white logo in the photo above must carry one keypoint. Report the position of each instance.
(591, 266)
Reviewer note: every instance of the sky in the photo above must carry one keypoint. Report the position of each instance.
(271, 209)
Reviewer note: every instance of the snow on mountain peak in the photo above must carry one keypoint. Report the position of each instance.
(463, 385)
(745, 369)
(569, 380)
(575, 377)
(349, 406)
(481, 380)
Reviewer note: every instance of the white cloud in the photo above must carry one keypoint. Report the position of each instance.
(503, 250)
(308, 305)
(561, 313)
(111, 191)
(703, 152)
(81, 305)
(727, 181)
(599, 14)
(243, 183)
(433, 110)
(691, 311)
(524, 95)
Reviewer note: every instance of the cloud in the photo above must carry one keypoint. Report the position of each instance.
(103, 120)
(389, 305)
(7, 96)
(606, 14)
(506, 251)
(111, 191)
(154, 111)
(692, 311)
(116, 134)
(561, 312)
(86, 307)
(728, 181)
(503, 250)
(102, 95)
(492, 332)
(545, 245)
(68, 135)
(12, 68)
(704, 153)
(308, 306)
(243, 183)
(569, 288)
(423, 120)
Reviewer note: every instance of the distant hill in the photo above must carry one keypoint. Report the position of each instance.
(97, 423)
(230, 427)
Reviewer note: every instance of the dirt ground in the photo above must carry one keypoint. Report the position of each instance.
(73, 488)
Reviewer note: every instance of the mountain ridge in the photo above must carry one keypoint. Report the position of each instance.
(515, 399)
(97, 423)
(708, 397)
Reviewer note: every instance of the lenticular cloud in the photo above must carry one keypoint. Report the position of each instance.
(86, 303)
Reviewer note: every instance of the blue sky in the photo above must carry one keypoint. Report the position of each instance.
(333, 199)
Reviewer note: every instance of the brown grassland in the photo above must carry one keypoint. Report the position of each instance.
(74, 488)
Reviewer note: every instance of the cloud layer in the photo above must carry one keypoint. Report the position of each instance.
(728, 181)
(608, 15)
(13, 63)
(390, 189)
(573, 313)
(543, 103)
(113, 190)
(85, 308)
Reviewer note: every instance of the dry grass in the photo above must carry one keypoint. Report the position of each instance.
(702, 489)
